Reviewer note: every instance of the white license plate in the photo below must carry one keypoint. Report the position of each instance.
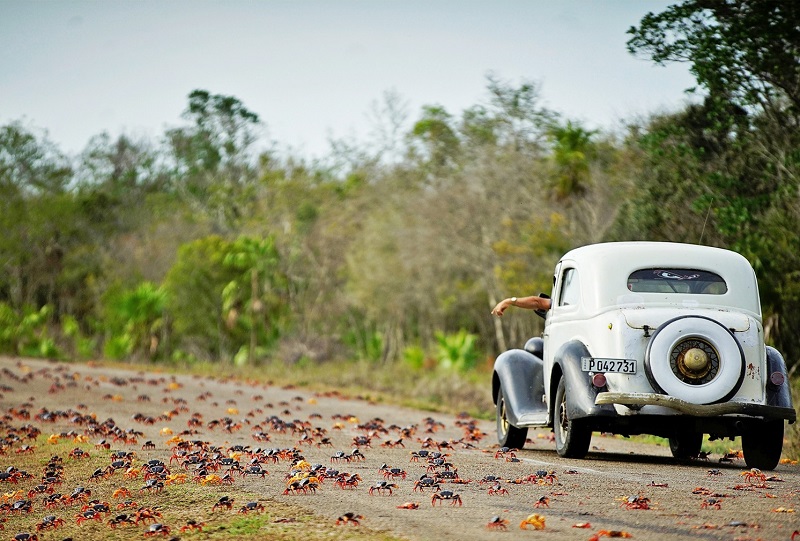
(623, 366)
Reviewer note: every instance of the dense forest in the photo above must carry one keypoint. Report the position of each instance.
(202, 246)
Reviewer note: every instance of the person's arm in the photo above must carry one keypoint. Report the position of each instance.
(530, 303)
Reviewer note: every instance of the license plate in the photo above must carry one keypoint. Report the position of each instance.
(593, 364)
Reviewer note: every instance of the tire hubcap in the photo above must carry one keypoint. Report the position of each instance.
(503, 419)
(563, 422)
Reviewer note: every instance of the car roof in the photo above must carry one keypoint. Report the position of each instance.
(604, 269)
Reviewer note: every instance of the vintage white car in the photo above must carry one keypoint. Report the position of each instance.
(649, 338)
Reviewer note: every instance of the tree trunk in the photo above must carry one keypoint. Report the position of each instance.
(253, 331)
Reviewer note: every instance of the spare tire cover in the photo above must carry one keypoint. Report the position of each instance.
(696, 359)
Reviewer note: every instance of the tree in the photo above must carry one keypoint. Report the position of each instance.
(734, 158)
(253, 297)
(35, 215)
(743, 51)
(572, 152)
(438, 137)
(521, 122)
(212, 157)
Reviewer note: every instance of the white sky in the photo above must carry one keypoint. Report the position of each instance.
(312, 69)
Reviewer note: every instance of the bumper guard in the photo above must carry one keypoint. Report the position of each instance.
(700, 410)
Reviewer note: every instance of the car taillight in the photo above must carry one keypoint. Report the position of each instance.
(776, 379)
(599, 380)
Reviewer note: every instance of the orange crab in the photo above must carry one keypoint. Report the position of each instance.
(211, 479)
(176, 478)
(537, 521)
(121, 492)
(408, 505)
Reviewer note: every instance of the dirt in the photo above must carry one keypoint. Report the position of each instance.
(592, 492)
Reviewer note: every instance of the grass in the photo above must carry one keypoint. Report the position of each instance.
(394, 383)
(716, 447)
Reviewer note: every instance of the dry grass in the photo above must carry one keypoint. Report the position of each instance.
(394, 383)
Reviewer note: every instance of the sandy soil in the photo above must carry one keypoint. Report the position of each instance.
(584, 491)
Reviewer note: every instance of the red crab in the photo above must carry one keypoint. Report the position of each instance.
(497, 523)
(446, 495)
(121, 519)
(90, 514)
(349, 518)
(637, 502)
(193, 525)
(50, 522)
(157, 529)
(225, 502)
(252, 507)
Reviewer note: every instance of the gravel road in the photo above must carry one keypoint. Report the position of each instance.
(592, 491)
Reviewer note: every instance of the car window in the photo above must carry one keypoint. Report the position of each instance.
(676, 281)
(570, 288)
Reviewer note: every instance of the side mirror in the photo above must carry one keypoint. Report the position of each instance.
(542, 313)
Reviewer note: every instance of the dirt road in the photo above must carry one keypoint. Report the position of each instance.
(700, 500)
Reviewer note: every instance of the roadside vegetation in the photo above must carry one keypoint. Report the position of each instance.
(376, 267)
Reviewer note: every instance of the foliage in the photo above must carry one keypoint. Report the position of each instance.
(195, 247)
(225, 298)
(27, 333)
(741, 51)
(414, 357)
(456, 351)
(792, 437)
(194, 285)
(726, 172)
(134, 319)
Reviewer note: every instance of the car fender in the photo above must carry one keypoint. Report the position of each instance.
(777, 395)
(580, 391)
(521, 376)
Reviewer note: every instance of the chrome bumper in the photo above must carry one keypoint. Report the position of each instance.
(700, 410)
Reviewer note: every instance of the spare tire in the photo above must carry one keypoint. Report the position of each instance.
(696, 359)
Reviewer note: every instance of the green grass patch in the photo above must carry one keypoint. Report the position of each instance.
(716, 447)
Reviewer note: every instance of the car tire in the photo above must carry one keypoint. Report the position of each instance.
(762, 445)
(573, 436)
(686, 445)
(508, 435)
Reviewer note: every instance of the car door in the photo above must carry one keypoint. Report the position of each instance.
(560, 322)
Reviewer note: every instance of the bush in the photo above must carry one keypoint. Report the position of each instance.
(457, 351)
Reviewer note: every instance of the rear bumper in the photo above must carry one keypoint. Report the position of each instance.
(698, 410)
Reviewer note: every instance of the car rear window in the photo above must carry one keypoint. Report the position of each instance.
(676, 281)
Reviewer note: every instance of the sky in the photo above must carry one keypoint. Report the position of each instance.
(315, 70)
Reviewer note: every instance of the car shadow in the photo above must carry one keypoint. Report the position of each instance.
(598, 455)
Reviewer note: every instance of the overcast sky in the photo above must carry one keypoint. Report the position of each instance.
(312, 69)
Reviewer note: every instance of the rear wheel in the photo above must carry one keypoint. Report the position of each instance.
(686, 445)
(573, 436)
(508, 435)
(762, 445)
